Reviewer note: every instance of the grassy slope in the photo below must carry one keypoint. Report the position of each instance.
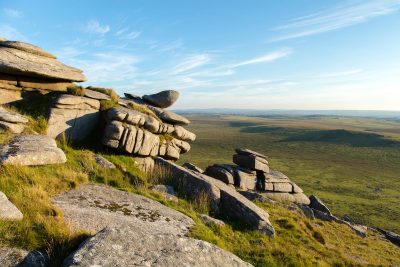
(356, 174)
(299, 242)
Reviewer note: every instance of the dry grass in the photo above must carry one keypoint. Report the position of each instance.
(143, 109)
(76, 90)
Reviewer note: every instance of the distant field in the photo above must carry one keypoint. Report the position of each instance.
(353, 164)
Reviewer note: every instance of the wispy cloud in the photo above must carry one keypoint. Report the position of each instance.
(191, 62)
(11, 33)
(12, 13)
(264, 58)
(340, 16)
(127, 34)
(94, 27)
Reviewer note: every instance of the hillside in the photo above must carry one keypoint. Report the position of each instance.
(88, 178)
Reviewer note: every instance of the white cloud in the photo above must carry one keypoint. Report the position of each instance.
(11, 33)
(94, 27)
(264, 58)
(132, 35)
(12, 13)
(191, 62)
(345, 15)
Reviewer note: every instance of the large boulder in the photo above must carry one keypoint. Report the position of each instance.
(252, 162)
(169, 116)
(24, 59)
(74, 116)
(12, 121)
(31, 150)
(317, 204)
(223, 198)
(7, 210)
(163, 99)
(121, 247)
(137, 231)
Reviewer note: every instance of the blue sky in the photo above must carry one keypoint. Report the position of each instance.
(286, 54)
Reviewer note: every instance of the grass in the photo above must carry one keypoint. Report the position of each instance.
(143, 109)
(355, 172)
(299, 241)
(108, 91)
(76, 90)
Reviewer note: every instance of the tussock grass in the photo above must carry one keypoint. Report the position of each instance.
(143, 109)
(76, 90)
(108, 91)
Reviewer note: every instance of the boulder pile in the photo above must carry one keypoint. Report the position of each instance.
(142, 129)
(25, 67)
(252, 173)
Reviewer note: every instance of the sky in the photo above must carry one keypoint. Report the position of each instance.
(286, 54)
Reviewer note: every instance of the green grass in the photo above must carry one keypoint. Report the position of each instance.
(76, 90)
(299, 241)
(355, 172)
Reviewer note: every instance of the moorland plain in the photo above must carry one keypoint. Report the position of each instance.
(352, 163)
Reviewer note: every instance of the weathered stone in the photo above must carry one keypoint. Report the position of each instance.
(43, 84)
(183, 134)
(10, 257)
(251, 162)
(8, 79)
(208, 220)
(166, 191)
(256, 196)
(32, 49)
(163, 99)
(391, 236)
(268, 186)
(103, 162)
(245, 151)
(9, 96)
(299, 198)
(31, 150)
(169, 116)
(245, 179)
(8, 211)
(220, 172)
(317, 204)
(296, 188)
(9, 87)
(12, 121)
(173, 148)
(132, 96)
(307, 211)
(12, 127)
(145, 164)
(74, 116)
(223, 198)
(94, 207)
(96, 95)
(32, 63)
(120, 247)
(283, 187)
(192, 167)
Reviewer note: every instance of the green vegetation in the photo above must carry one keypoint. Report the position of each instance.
(107, 104)
(299, 241)
(353, 164)
(108, 91)
(76, 90)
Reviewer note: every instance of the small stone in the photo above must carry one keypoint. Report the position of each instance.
(317, 204)
(103, 162)
(166, 191)
(208, 220)
(163, 99)
(192, 167)
(7, 210)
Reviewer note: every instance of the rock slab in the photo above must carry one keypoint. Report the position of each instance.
(7, 209)
(163, 99)
(31, 150)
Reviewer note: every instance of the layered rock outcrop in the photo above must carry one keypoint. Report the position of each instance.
(12, 121)
(252, 172)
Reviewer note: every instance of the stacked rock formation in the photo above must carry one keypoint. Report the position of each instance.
(143, 128)
(252, 172)
(12, 121)
(25, 67)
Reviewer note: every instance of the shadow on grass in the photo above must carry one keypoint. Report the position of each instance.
(340, 136)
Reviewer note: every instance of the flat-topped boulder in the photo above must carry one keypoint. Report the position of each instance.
(163, 99)
(245, 151)
(7, 209)
(31, 150)
(18, 58)
(12, 121)
(121, 247)
(252, 162)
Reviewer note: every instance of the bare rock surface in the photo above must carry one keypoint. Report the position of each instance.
(192, 167)
(12, 121)
(120, 247)
(31, 150)
(10, 257)
(7, 209)
(317, 204)
(74, 116)
(225, 199)
(24, 59)
(105, 163)
(134, 231)
(96, 95)
(208, 220)
(169, 116)
(163, 99)
(95, 207)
